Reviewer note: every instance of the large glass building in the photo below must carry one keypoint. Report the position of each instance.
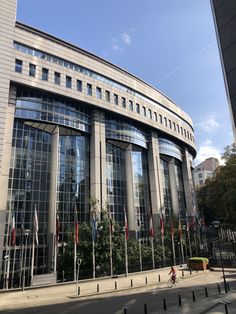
(74, 126)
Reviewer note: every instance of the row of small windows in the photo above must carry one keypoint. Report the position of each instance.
(142, 110)
(78, 68)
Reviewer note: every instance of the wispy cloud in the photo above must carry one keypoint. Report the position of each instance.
(126, 38)
(209, 124)
(206, 150)
(189, 60)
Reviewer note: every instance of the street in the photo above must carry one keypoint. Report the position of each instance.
(134, 300)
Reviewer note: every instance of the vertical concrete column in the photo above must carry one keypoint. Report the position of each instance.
(173, 187)
(155, 178)
(7, 24)
(189, 188)
(130, 190)
(98, 158)
(52, 201)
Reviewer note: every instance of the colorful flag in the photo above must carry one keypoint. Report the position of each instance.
(151, 229)
(138, 228)
(162, 225)
(180, 229)
(126, 227)
(36, 226)
(172, 229)
(94, 228)
(76, 226)
(13, 231)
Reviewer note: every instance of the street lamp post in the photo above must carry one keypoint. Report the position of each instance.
(216, 225)
(26, 233)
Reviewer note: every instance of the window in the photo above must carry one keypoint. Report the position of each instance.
(174, 126)
(188, 134)
(57, 78)
(108, 97)
(99, 92)
(89, 89)
(137, 108)
(165, 121)
(18, 66)
(32, 69)
(131, 105)
(181, 130)
(149, 114)
(123, 102)
(170, 124)
(155, 116)
(160, 118)
(200, 175)
(44, 74)
(79, 85)
(184, 132)
(178, 128)
(144, 111)
(68, 81)
(116, 101)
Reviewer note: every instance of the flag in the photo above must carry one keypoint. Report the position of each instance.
(126, 227)
(162, 225)
(172, 229)
(180, 229)
(36, 226)
(57, 228)
(94, 228)
(13, 231)
(151, 230)
(76, 226)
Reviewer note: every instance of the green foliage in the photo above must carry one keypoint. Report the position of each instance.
(199, 259)
(217, 198)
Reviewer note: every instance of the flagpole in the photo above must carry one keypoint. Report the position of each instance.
(153, 257)
(75, 241)
(163, 249)
(173, 249)
(140, 254)
(189, 244)
(32, 259)
(126, 258)
(93, 252)
(182, 250)
(110, 240)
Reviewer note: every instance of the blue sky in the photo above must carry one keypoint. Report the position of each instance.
(167, 43)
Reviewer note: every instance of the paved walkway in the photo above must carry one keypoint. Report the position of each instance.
(134, 283)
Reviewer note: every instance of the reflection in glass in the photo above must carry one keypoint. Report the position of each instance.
(166, 187)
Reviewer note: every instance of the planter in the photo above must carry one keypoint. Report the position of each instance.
(198, 263)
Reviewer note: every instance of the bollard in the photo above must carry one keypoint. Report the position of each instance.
(125, 310)
(63, 276)
(194, 299)
(190, 270)
(164, 304)
(206, 292)
(115, 285)
(228, 287)
(197, 271)
(79, 290)
(146, 281)
(180, 301)
(145, 308)
(98, 287)
(182, 273)
(226, 309)
(219, 288)
(159, 277)
(131, 282)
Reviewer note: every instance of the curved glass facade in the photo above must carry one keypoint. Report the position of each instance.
(34, 105)
(180, 187)
(116, 181)
(121, 129)
(73, 185)
(166, 187)
(169, 148)
(141, 190)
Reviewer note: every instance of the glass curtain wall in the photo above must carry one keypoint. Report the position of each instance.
(28, 187)
(116, 182)
(73, 183)
(180, 188)
(141, 190)
(166, 187)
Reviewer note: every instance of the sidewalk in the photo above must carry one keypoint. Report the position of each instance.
(88, 288)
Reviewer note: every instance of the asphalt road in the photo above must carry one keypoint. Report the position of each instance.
(134, 300)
